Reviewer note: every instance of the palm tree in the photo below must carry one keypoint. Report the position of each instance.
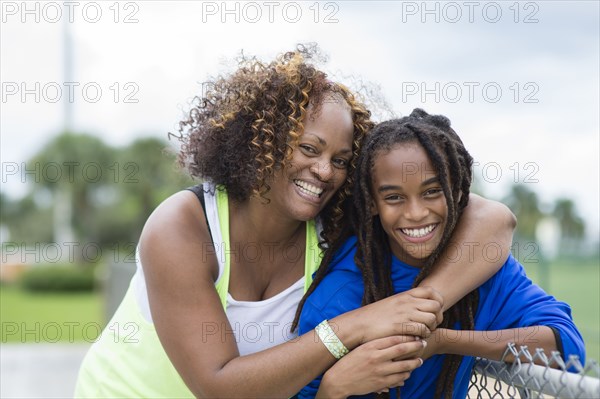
(71, 167)
(525, 205)
(102, 195)
(152, 175)
(572, 226)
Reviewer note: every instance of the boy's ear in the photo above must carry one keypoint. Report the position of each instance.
(374, 210)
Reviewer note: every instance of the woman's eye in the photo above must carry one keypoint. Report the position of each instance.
(340, 163)
(308, 148)
(393, 197)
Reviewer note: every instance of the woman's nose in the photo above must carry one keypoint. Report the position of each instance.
(323, 169)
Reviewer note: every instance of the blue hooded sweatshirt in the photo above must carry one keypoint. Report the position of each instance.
(507, 300)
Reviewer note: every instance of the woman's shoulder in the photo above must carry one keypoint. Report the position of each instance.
(177, 228)
(181, 210)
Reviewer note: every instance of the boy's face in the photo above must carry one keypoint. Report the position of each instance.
(410, 202)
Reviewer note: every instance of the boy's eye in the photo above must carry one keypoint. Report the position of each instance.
(433, 191)
(393, 197)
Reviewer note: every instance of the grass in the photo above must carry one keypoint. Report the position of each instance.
(78, 317)
(57, 317)
(578, 284)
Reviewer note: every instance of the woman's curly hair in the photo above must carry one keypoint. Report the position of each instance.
(247, 123)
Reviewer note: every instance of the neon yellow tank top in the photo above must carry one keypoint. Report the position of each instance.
(128, 359)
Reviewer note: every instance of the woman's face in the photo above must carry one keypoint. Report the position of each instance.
(410, 202)
(319, 164)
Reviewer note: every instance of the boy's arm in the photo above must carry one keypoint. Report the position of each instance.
(478, 248)
(513, 309)
(490, 344)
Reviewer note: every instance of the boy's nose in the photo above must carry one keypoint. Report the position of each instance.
(415, 210)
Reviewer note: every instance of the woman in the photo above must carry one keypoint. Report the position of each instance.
(218, 284)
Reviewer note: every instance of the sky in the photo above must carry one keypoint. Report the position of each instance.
(519, 80)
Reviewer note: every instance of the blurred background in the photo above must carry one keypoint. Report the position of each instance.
(91, 91)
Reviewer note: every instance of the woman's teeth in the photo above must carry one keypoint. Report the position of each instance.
(417, 233)
(308, 188)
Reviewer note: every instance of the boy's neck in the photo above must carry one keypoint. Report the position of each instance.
(407, 259)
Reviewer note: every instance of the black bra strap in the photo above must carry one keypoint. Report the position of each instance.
(199, 191)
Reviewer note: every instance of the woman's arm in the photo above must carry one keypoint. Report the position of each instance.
(377, 364)
(180, 267)
(478, 248)
(490, 344)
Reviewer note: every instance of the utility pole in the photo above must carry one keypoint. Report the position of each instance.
(68, 74)
(63, 197)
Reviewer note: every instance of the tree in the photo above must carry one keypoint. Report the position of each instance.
(72, 167)
(147, 174)
(525, 205)
(85, 192)
(25, 220)
(572, 226)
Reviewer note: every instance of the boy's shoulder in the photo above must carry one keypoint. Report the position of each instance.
(509, 270)
(343, 278)
(507, 285)
(343, 260)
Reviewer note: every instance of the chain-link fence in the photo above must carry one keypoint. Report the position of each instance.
(521, 378)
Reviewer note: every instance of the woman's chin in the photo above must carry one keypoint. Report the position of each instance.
(305, 216)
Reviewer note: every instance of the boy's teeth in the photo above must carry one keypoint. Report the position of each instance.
(308, 188)
(416, 233)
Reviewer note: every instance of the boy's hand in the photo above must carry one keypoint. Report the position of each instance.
(375, 366)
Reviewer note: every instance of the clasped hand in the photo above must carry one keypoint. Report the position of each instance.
(392, 344)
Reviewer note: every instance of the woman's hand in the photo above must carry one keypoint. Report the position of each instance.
(374, 366)
(414, 312)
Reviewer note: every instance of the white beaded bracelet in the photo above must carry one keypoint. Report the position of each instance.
(331, 340)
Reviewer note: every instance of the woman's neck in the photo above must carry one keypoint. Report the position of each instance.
(267, 250)
(255, 221)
